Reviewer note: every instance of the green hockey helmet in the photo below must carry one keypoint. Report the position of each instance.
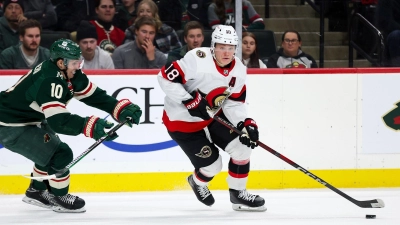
(65, 49)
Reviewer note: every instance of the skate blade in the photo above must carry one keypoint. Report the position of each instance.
(60, 209)
(240, 207)
(35, 202)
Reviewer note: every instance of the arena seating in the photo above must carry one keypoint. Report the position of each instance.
(265, 41)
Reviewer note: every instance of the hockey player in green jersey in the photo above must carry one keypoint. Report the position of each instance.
(34, 110)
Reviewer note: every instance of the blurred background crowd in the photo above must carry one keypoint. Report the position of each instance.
(129, 34)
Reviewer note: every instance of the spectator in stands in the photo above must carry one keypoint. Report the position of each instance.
(95, 57)
(291, 55)
(9, 23)
(71, 12)
(126, 14)
(28, 53)
(250, 56)
(141, 53)
(388, 21)
(109, 36)
(223, 12)
(196, 10)
(42, 11)
(193, 35)
(166, 38)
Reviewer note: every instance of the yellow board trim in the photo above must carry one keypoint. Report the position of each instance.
(168, 181)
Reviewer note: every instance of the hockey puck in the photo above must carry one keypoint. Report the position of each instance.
(370, 216)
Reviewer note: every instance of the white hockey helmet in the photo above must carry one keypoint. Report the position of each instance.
(224, 34)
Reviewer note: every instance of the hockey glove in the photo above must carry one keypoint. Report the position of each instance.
(250, 136)
(94, 128)
(125, 109)
(197, 106)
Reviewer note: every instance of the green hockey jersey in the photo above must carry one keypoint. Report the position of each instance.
(44, 92)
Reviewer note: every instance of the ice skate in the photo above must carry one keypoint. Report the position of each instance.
(68, 204)
(202, 193)
(244, 201)
(41, 198)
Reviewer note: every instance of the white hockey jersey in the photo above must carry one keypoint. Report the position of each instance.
(199, 71)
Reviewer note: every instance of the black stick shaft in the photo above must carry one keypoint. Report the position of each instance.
(87, 151)
(364, 204)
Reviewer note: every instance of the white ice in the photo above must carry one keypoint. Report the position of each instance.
(285, 207)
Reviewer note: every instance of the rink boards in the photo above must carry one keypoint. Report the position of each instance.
(329, 121)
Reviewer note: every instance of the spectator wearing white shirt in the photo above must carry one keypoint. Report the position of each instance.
(95, 57)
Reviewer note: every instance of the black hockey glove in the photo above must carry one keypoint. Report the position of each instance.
(125, 109)
(250, 129)
(94, 128)
(197, 106)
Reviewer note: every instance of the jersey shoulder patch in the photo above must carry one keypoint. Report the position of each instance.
(200, 54)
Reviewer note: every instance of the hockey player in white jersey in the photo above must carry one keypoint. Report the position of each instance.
(210, 78)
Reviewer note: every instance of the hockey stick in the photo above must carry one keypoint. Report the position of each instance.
(375, 203)
(81, 156)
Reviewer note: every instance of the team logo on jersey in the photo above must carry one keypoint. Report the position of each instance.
(296, 65)
(60, 75)
(216, 97)
(226, 72)
(200, 54)
(46, 138)
(205, 152)
(107, 46)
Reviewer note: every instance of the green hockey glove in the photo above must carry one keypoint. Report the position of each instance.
(125, 109)
(94, 128)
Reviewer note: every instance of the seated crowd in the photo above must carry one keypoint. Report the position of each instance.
(133, 34)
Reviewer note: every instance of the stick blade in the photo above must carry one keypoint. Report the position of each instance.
(379, 204)
(376, 203)
(42, 178)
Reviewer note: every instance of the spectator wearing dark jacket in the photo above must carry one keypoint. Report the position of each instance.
(291, 55)
(140, 53)
(71, 12)
(9, 23)
(28, 53)
(196, 10)
(42, 11)
(193, 35)
(126, 14)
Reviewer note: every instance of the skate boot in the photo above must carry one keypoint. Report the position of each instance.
(41, 198)
(244, 201)
(68, 204)
(202, 193)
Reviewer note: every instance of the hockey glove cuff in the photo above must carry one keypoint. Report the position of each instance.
(94, 128)
(250, 136)
(197, 106)
(125, 109)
